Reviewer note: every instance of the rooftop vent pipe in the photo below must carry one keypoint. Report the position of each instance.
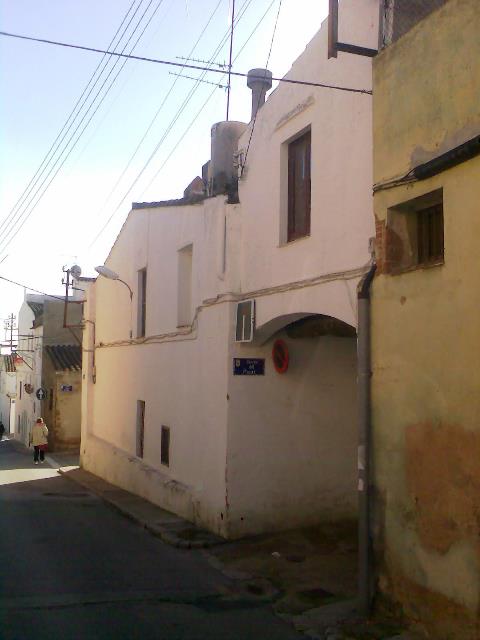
(259, 81)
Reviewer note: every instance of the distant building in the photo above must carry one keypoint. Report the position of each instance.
(225, 389)
(48, 367)
(426, 318)
(8, 388)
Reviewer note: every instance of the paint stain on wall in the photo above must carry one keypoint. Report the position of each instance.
(443, 476)
(432, 614)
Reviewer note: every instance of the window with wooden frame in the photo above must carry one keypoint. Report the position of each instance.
(165, 446)
(299, 187)
(184, 290)
(430, 235)
(414, 234)
(140, 431)
(142, 303)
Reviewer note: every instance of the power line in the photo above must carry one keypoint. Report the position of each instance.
(208, 99)
(244, 7)
(152, 122)
(40, 169)
(178, 114)
(24, 286)
(260, 94)
(179, 64)
(230, 58)
(25, 214)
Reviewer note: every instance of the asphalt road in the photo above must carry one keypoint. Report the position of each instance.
(71, 568)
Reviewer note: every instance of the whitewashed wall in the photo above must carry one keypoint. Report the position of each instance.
(183, 380)
(8, 385)
(261, 453)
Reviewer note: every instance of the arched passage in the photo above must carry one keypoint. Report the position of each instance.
(292, 436)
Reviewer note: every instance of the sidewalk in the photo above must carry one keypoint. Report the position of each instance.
(169, 527)
(308, 575)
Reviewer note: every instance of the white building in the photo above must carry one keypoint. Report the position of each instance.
(48, 370)
(28, 364)
(174, 407)
(8, 388)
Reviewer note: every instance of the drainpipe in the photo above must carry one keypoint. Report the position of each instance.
(364, 440)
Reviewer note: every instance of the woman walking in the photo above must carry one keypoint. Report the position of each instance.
(39, 440)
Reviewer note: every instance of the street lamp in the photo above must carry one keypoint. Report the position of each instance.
(111, 275)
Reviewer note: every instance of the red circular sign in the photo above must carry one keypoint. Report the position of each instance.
(280, 356)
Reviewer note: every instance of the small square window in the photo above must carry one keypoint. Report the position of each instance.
(413, 236)
(165, 446)
(430, 235)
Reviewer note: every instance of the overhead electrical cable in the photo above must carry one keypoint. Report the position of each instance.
(154, 119)
(175, 119)
(115, 98)
(76, 109)
(171, 63)
(17, 218)
(206, 101)
(8, 237)
(24, 286)
(260, 94)
(180, 111)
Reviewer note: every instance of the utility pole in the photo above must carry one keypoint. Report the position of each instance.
(66, 282)
(230, 58)
(10, 327)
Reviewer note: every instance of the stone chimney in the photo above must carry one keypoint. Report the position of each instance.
(259, 81)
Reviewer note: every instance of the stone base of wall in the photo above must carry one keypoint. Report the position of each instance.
(431, 613)
(130, 473)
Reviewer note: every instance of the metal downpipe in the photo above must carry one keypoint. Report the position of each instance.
(365, 581)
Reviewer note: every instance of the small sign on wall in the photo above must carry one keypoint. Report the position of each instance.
(66, 387)
(249, 366)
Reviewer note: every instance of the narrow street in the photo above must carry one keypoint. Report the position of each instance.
(73, 568)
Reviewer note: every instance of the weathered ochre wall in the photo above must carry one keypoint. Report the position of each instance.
(426, 341)
(62, 411)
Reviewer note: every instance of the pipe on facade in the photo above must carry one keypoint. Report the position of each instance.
(365, 582)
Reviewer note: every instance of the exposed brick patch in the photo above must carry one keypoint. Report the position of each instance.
(380, 244)
(388, 248)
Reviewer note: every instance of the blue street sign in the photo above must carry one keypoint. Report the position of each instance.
(249, 366)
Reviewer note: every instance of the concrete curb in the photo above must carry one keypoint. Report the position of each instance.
(167, 526)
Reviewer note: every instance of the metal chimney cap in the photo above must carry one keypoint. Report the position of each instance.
(259, 76)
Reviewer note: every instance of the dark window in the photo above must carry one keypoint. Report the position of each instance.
(430, 234)
(299, 189)
(140, 427)
(413, 236)
(245, 321)
(142, 302)
(165, 446)
(20, 390)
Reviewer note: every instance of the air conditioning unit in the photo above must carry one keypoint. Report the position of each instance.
(245, 321)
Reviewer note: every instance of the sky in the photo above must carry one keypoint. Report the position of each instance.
(139, 134)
